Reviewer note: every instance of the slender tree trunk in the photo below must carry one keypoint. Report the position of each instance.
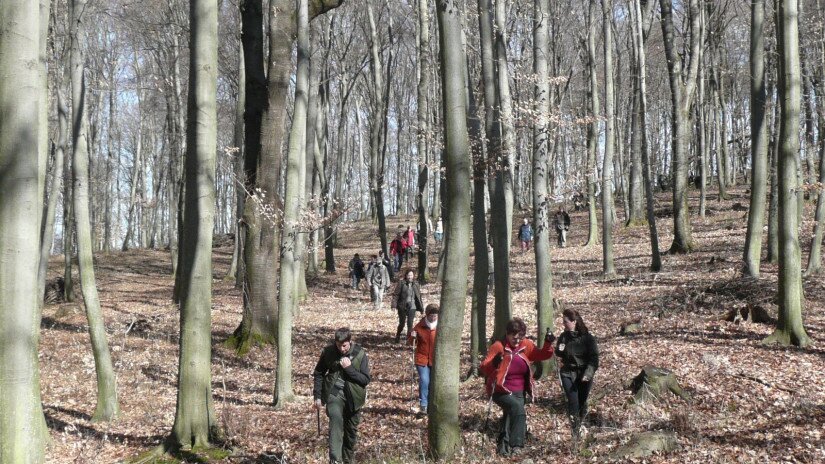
(290, 241)
(195, 421)
(47, 222)
(593, 127)
(541, 168)
(759, 142)
(656, 260)
(237, 180)
(444, 429)
(107, 404)
(423, 136)
(23, 432)
(789, 327)
(814, 259)
(609, 141)
(682, 90)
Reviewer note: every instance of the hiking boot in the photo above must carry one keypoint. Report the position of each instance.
(424, 410)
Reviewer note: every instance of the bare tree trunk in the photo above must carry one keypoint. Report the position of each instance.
(789, 327)
(608, 268)
(195, 421)
(107, 405)
(443, 428)
(23, 432)
(238, 181)
(593, 127)
(47, 222)
(423, 137)
(759, 142)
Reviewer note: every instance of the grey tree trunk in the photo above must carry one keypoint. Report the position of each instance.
(608, 268)
(423, 154)
(682, 90)
(55, 184)
(290, 238)
(195, 421)
(541, 167)
(789, 328)
(107, 404)
(814, 259)
(444, 428)
(23, 433)
(656, 259)
(238, 181)
(593, 127)
(759, 142)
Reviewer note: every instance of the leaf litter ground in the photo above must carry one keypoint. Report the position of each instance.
(749, 402)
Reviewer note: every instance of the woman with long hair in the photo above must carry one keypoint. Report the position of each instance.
(579, 354)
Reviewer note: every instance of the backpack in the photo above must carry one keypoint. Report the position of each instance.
(359, 269)
(377, 277)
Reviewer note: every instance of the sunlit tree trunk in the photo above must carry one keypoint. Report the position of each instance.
(107, 404)
(195, 422)
(23, 433)
(593, 126)
(789, 328)
(608, 268)
(444, 428)
(759, 142)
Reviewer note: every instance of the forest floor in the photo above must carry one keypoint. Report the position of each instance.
(748, 402)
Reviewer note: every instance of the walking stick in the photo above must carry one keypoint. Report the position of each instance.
(412, 384)
(318, 417)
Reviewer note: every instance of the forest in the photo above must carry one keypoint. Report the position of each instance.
(391, 231)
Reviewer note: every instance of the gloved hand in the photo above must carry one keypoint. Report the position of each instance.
(549, 337)
(497, 360)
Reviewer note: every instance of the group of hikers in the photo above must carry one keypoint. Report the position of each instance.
(561, 221)
(342, 373)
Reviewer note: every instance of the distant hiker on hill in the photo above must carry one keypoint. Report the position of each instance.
(509, 379)
(397, 248)
(340, 382)
(406, 300)
(525, 235)
(356, 271)
(378, 279)
(439, 231)
(562, 221)
(423, 338)
(579, 355)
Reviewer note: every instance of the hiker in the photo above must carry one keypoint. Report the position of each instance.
(397, 252)
(423, 338)
(356, 271)
(439, 231)
(340, 382)
(406, 300)
(409, 238)
(562, 221)
(509, 379)
(378, 279)
(525, 235)
(579, 354)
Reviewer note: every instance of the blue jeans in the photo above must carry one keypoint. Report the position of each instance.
(423, 384)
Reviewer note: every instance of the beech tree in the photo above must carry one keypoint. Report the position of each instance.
(23, 433)
(444, 429)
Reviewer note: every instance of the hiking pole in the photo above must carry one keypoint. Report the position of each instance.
(318, 417)
(412, 384)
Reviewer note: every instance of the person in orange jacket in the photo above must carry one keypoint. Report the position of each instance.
(509, 379)
(422, 337)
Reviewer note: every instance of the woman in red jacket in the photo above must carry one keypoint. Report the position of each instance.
(509, 378)
(422, 337)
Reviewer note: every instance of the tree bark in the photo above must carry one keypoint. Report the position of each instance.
(444, 429)
(608, 268)
(290, 240)
(195, 425)
(759, 142)
(107, 405)
(423, 136)
(592, 128)
(789, 327)
(541, 167)
(23, 432)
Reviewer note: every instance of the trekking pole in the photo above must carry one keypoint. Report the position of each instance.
(318, 417)
(412, 384)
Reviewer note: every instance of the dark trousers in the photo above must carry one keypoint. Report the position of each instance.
(513, 423)
(343, 430)
(576, 392)
(405, 316)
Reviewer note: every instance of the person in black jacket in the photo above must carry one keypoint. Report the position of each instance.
(576, 348)
(340, 382)
(407, 300)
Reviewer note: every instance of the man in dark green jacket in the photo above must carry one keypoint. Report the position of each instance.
(340, 382)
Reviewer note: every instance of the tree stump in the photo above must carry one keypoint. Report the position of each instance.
(645, 444)
(653, 382)
(630, 328)
(750, 313)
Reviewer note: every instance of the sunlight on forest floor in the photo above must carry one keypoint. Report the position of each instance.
(749, 403)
